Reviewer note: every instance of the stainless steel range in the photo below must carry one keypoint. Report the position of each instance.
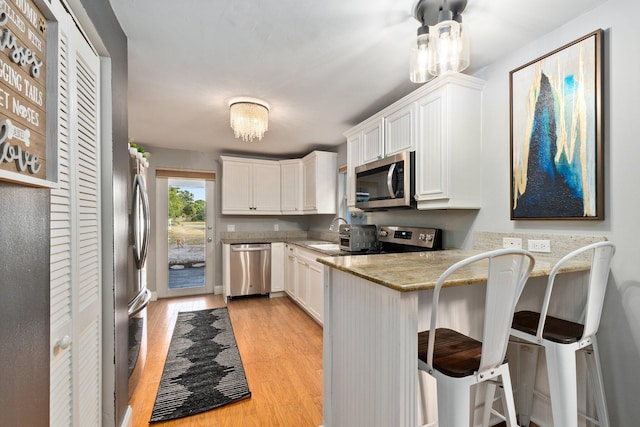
(397, 239)
(370, 239)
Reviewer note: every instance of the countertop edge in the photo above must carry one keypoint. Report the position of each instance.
(542, 268)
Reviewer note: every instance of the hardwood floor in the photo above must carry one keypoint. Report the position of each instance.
(281, 350)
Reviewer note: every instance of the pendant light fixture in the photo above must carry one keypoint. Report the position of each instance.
(249, 118)
(442, 44)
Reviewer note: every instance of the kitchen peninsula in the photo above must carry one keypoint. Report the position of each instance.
(374, 307)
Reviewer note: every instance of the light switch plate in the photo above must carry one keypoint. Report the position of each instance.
(231, 227)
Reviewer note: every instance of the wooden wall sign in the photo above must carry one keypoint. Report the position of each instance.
(23, 88)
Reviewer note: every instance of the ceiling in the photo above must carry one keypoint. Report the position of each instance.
(323, 66)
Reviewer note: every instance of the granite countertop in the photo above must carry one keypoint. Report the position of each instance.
(418, 271)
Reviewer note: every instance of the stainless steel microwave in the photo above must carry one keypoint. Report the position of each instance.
(387, 183)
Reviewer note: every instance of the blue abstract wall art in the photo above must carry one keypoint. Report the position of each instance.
(556, 134)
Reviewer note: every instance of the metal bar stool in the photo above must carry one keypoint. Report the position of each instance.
(459, 362)
(561, 339)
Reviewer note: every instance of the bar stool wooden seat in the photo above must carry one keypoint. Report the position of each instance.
(459, 362)
(561, 338)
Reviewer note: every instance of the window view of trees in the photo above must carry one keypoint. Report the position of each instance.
(182, 207)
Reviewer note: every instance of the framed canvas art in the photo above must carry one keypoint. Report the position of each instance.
(556, 134)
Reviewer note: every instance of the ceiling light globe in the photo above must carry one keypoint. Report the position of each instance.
(420, 59)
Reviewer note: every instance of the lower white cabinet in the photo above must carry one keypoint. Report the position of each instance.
(277, 267)
(290, 271)
(305, 281)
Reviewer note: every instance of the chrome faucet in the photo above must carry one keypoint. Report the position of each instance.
(336, 219)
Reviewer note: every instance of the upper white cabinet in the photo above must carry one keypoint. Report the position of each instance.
(320, 180)
(449, 165)
(291, 183)
(285, 187)
(250, 186)
(353, 160)
(441, 122)
(399, 130)
(372, 141)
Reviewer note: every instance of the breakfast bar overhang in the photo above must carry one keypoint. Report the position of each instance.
(375, 305)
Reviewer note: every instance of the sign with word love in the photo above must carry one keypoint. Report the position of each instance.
(23, 88)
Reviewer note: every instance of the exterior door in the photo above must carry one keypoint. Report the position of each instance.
(184, 236)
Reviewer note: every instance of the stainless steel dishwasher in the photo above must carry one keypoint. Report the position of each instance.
(250, 269)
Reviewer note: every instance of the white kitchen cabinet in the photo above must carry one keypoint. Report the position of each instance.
(291, 187)
(277, 267)
(372, 146)
(353, 160)
(315, 280)
(441, 122)
(320, 182)
(310, 283)
(290, 271)
(304, 281)
(250, 186)
(399, 130)
(449, 166)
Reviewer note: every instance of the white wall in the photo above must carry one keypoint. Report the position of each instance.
(619, 333)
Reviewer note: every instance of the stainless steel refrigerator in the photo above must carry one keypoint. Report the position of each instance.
(138, 294)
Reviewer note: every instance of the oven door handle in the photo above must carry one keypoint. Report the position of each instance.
(392, 169)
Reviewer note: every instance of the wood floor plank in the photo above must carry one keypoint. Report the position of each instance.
(281, 350)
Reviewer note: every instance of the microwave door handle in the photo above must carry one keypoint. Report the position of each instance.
(392, 193)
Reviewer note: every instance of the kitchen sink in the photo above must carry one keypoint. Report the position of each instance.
(325, 246)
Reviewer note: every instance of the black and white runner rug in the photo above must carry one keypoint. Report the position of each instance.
(203, 369)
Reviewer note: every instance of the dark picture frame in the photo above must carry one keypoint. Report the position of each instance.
(556, 140)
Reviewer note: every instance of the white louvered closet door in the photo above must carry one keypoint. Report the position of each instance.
(75, 389)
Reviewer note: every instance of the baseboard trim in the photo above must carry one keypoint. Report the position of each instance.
(127, 420)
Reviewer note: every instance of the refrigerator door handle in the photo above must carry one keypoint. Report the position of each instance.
(141, 218)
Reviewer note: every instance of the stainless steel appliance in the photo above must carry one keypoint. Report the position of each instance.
(394, 239)
(386, 183)
(358, 237)
(137, 292)
(250, 269)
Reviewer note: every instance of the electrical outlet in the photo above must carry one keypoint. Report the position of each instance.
(231, 227)
(276, 227)
(539, 245)
(512, 243)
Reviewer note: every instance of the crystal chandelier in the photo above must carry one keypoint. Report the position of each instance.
(443, 49)
(249, 118)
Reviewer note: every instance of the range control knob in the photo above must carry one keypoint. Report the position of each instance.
(383, 233)
(425, 237)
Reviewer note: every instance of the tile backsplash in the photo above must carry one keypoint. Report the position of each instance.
(561, 244)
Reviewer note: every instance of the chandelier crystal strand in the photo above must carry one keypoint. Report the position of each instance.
(249, 119)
